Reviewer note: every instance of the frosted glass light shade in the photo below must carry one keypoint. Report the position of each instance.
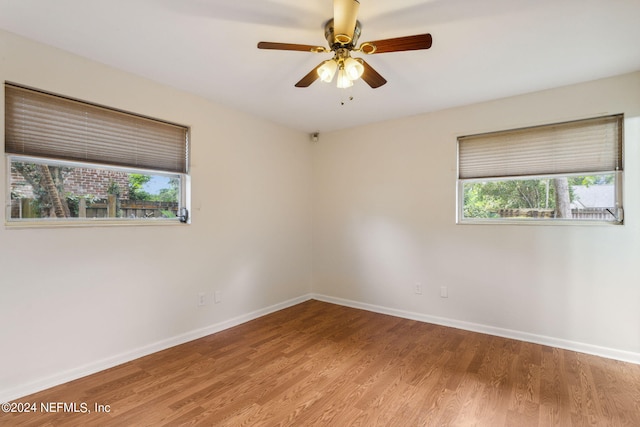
(343, 79)
(327, 70)
(353, 68)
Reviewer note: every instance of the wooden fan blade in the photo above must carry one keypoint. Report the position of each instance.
(309, 78)
(345, 15)
(371, 76)
(290, 46)
(399, 44)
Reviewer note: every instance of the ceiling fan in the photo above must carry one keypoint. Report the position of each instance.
(342, 33)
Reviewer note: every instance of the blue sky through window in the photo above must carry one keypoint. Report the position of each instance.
(156, 183)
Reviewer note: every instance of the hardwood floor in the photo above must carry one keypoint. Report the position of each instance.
(323, 364)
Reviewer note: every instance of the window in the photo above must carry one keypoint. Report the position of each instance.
(555, 173)
(68, 161)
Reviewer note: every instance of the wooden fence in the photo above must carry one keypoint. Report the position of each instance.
(585, 213)
(113, 208)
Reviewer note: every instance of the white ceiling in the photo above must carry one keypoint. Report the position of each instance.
(482, 49)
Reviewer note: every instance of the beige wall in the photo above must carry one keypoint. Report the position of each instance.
(73, 300)
(385, 209)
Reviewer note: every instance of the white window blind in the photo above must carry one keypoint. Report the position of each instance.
(592, 145)
(47, 125)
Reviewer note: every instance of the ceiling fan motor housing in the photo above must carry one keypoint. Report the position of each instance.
(330, 35)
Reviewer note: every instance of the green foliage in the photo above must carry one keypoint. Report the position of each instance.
(113, 188)
(591, 180)
(136, 185)
(137, 192)
(169, 194)
(485, 199)
(476, 205)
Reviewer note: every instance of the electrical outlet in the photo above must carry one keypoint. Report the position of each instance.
(217, 297)
(417, 288)
(202, 299)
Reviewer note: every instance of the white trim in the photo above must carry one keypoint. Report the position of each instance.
(7, 395)
(609, 353)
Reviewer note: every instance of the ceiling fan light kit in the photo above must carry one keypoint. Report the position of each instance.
(349, 69)
(342, 34)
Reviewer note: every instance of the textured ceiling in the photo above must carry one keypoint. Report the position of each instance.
(482, 50)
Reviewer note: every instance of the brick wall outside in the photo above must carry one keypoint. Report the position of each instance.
(95, 182)
(80, 182)
(20, 187)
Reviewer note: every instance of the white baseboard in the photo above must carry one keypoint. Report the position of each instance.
(609, 353)
(7, 395)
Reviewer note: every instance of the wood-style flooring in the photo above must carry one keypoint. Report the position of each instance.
(323, 364)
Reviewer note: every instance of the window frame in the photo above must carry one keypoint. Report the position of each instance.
(183, 200)
(618, 185)
(184, 176)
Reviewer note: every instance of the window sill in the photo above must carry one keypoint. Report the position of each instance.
(92, 223)
(538, 222)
